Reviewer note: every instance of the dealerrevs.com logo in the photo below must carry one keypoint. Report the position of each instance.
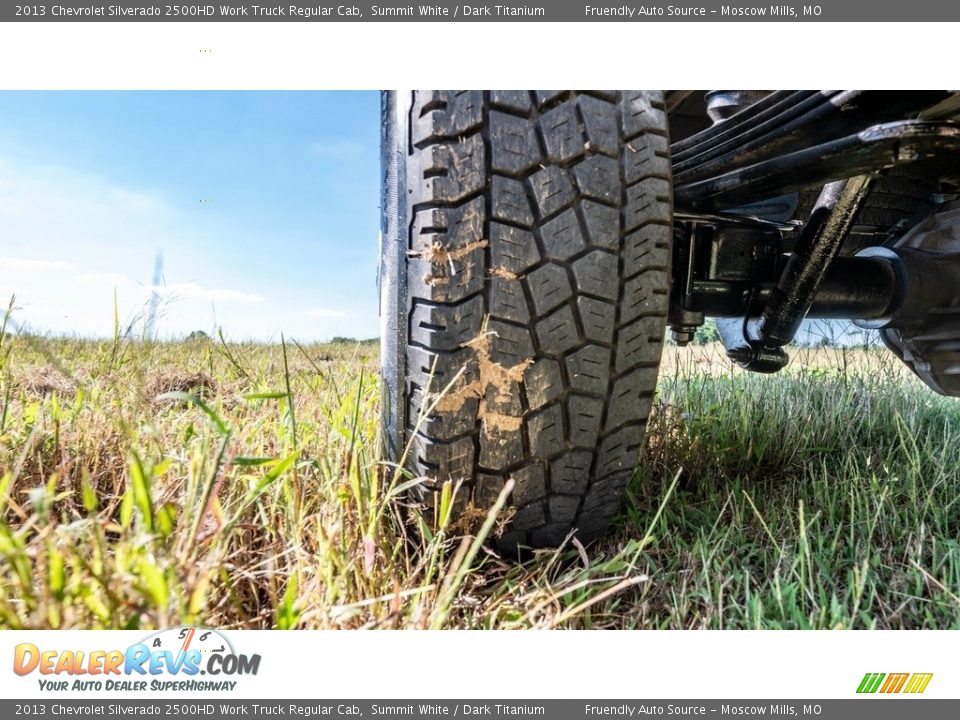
(168, 660)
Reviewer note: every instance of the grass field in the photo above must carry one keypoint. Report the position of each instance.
(148, 485)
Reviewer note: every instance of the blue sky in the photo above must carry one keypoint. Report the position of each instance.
(263, 204)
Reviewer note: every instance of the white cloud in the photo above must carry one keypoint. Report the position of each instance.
(320, 312)
(195, 291)
(104, 278)
(77, 246)
(29, 264)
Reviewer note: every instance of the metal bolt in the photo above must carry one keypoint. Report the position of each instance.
(682, 336)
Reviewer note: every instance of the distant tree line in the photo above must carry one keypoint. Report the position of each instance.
(353, 341)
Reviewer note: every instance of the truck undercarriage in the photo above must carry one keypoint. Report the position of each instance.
(877, 245)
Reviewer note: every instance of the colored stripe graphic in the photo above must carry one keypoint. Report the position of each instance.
(870, 682)
(894, 683)
(918, 682)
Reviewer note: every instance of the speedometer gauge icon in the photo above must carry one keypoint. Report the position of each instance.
(183, 639)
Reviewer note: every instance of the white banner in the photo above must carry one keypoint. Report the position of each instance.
(508, 665)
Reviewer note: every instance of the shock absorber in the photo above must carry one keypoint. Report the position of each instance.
(758, 344)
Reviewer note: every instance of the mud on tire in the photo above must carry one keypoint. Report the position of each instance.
(525, 263)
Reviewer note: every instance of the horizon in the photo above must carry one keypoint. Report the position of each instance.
(261, 208)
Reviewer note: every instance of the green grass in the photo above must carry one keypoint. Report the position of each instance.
(147, 484)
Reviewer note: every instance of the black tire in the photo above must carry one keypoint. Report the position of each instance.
(526, 260)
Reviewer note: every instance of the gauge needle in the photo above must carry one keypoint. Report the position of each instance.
(186, 644)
